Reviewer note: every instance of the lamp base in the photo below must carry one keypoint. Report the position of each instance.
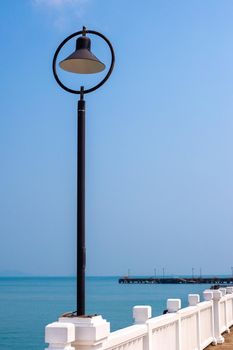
(72, 314)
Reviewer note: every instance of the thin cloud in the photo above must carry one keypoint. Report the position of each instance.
(57, 4)
(63, 12)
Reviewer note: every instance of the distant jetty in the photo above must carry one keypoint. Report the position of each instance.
(176, 280)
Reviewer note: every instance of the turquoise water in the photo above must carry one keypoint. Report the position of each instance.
(28, 304)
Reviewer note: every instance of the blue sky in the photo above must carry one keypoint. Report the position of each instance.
(159, 139)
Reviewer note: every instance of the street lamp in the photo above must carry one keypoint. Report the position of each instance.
(81, 61)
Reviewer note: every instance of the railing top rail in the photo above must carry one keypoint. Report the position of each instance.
(205, 304)
(125, 335)
(226, 297)
(188, 311)
(163, 320)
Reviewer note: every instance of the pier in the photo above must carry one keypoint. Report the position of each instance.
(176, 280)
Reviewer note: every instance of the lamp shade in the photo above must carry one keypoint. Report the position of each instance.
(82, 60)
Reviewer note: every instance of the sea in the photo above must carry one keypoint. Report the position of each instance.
(28, 304)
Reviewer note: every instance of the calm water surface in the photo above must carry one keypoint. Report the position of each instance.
(28, 304)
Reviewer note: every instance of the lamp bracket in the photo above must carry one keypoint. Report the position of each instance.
(84, 31)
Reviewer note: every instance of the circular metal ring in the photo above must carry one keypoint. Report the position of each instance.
(78, 92)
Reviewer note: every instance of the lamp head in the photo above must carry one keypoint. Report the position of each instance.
(82, 60)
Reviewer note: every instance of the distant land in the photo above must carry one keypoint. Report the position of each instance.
(16, 273)
(12, 273)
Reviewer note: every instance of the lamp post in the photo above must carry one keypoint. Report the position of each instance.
(81, 61)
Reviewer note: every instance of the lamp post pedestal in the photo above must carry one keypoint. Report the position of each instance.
(83, 333)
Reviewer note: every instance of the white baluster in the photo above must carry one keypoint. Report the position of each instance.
(208, 296)
(193, 299)
(141, 314)
(173, 305)
(217, 295)
(60, 336)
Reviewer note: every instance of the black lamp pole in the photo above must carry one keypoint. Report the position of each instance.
(81, 61)
(81, 247)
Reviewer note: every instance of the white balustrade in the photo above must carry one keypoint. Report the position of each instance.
(130, 338)
(229, 310)
(164, 332)
(190, 328)
(206, 324)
